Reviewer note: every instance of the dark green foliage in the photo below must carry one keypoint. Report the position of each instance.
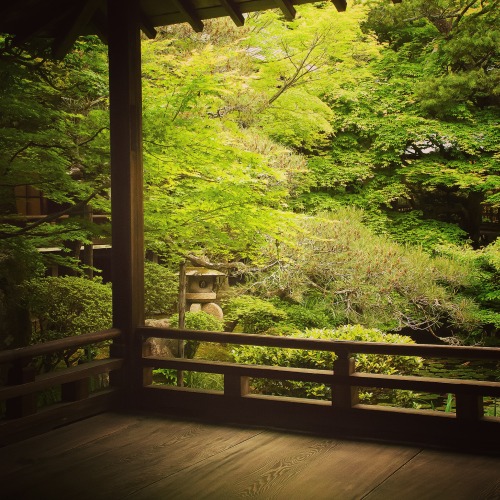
(19, 261)
(484, 285)
(63, 307)
(54, 137)
(415, 127)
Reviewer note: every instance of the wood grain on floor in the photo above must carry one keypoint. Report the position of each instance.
(138, 457)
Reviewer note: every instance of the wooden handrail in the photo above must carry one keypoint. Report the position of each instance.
(75, 399)
(47, 380)
(424, 350)
(58, 345)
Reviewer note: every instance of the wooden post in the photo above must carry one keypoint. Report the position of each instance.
(236, 386)
(88, 248)
(75, 391)
(469, 406)
(126, 186)
(20, 373)
(182, 317)
(343, 395)
(147, 372)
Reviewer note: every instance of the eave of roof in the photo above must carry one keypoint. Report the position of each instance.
(62, 21)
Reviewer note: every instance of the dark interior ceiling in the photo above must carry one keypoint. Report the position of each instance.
(62, 21)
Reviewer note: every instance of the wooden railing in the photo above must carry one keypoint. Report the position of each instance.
(22, 416)
(467, 427)
(342, 415)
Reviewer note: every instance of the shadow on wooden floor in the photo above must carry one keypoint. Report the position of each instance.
(114, 456)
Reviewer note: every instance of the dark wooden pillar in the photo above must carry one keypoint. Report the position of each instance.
(126, 186)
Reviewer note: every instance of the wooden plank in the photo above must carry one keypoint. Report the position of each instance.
(340, 5)
(48, 380)
(274, 465)
(433, 474)
(426, 384)
(54, 416)
(401, 425)
(48, 446)
(146, 456)
(114, 465)
(147, 26)
(262, 371)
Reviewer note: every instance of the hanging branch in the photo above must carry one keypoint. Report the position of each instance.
(303, 68)
(51, 218)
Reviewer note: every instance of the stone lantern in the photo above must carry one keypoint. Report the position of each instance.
(202, 285)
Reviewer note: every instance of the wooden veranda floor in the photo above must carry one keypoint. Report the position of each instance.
(136, 456)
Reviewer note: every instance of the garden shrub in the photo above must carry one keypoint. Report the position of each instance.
(252, 314)
(197, 321)
(309, 314)
(67, 306)
(161, 288)
(372, 363)
(364, 278)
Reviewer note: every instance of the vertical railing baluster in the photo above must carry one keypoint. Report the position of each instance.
(75, 391)
(147, 373)
(236, 386)
(343, 394)
(20, 373)
(469, 406)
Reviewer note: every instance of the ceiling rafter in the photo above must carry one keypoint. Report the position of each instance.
(189, 13)
(100, 25)
(340, 5)
(147, 26)
(233, 11)
(64, 43)
(60, 22)
(39, 22)
(287, 8)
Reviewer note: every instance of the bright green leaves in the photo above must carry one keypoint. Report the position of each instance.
(212, 188)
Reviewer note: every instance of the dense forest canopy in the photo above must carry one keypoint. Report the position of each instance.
(341, 163)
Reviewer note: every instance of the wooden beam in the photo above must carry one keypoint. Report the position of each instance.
(233, 11)
(64, 43)
(41, 23)
(189, 13)
(147, 26)
(127, 222)
(287, 8)
(100, 25)
(340, 5)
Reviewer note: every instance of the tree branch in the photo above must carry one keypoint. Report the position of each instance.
(51, 218)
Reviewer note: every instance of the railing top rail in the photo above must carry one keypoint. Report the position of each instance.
(58, 345)
(424, 350)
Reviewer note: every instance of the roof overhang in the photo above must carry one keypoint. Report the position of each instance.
(62, 22)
